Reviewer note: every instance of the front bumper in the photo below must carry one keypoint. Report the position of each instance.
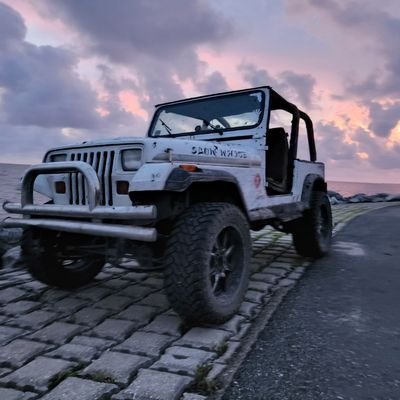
(93, 211)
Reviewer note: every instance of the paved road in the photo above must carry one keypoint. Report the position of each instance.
(337, 334)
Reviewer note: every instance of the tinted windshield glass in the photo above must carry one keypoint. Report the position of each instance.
(219, 114)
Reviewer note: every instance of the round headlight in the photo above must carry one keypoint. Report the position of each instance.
(58, 157)
(131, 159)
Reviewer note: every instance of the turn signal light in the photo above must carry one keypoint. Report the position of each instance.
(189, 167)
(60, 187)
(122, 187)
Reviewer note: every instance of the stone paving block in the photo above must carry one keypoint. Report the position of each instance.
(274, 271)
(116, 329)
(20, 307)
(286, 282)
(204, 338)
(12, 294)
(93, 294)
(12, 394)
(264, 277)
(57, 332)
(74, 352)
(20, 351)
(137, 312)
(183, 360)
(81, 389)
(90, 316)
(68, 305)
(295, 275)
(52, 295)
(155, 385)
(215, 371)
(156, 283)
(233, 325)
(34, 286)
(100, 344)
(193, 396)
(116, 284)
(165, 324)
(35, 319)
(249, 310)
(254, 296)
(145, 343)
(136, 292)
(158, 300)
(4, 371)
(38, 374)
(8, 333)
(232, 347)
(114, 302)
(242, 333)
(135, 276)
(260, 286)
(115, 367)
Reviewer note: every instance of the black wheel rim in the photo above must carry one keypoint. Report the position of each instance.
(226, 262)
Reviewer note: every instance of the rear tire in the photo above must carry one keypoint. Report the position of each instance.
(43, 253)
(313, 232)
(207, 263)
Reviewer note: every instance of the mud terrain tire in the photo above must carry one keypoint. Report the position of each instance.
(313, 232)
(41, 254)
(207, 263)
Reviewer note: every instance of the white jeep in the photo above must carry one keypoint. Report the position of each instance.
(210, 169)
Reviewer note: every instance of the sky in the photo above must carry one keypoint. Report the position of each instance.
(73, 70)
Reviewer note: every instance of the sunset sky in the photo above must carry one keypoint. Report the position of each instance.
(78, 69)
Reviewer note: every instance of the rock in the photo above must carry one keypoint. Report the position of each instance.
(9, 238)
(358, 198)
(335, 195)
(393, 197)
(12, 257)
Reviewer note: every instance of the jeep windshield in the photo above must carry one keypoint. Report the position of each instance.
(209, 115)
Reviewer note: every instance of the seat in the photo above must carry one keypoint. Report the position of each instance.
(277, 160)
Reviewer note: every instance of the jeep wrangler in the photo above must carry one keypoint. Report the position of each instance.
(210, 169)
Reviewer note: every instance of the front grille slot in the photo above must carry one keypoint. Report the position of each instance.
(103, 163)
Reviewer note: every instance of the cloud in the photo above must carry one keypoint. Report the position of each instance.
(157, 40)
(40, 84)
(12, 26)
(213, 83)
(331, 143)
(295, 87)
(383, 118)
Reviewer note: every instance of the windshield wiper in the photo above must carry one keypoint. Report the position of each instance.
(167, 128)
(213, 127)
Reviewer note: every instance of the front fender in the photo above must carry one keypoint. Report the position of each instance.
(179, 180)
(151, 177)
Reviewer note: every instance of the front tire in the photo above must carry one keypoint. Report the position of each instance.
(313, 232)
(207, 263)
(48, 260)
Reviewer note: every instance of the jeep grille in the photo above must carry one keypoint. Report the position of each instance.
(102, 162)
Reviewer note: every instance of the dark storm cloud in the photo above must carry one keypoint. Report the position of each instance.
(380, 155)
(213, 83)
(331, 144)
(374, 28)
(294, 86)
(383, 118)
(157, 39)
(12, 26)
(39, 82)
(126, 29)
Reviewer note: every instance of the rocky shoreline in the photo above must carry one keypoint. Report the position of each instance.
(10, 238)
(337, 198)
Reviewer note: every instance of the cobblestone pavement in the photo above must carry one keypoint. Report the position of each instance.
(119, 339)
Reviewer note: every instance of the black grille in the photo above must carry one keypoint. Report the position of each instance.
(102, 162)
